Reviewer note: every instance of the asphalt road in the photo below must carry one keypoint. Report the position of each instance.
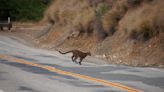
(49, 71)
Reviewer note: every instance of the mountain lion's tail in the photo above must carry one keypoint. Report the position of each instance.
(64, 52)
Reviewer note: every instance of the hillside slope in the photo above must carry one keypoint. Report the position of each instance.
(129, 32)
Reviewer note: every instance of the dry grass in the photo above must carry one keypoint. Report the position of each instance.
(75, 15)
(80, 16)
(72, 12)
(145, 22)
(111, 19)
(140, 23)
(130, 22)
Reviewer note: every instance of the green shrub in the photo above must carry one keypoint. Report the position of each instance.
(24, 10)
(102, 9)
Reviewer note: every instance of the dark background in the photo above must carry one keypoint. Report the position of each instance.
(23, 10)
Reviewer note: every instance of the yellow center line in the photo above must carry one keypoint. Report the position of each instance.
(52, 69)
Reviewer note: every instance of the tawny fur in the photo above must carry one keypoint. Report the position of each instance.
(77, 54)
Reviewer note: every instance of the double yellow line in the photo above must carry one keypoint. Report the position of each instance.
(52, 69)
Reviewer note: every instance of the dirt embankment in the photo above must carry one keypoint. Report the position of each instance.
(129, 32)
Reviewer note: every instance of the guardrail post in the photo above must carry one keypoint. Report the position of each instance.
(8, 19)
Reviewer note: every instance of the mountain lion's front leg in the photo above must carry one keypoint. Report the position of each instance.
(81, 59)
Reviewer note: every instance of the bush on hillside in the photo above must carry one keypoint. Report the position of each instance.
(113, 16)
(147, 23)
(23, 10)
(102, 9)
(144, 33)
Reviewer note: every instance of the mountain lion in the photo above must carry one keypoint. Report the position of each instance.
(77, 54)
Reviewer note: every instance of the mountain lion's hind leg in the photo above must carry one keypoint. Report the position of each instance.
(73, 58)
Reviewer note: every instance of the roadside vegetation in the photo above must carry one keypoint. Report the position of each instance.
(23, 10)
